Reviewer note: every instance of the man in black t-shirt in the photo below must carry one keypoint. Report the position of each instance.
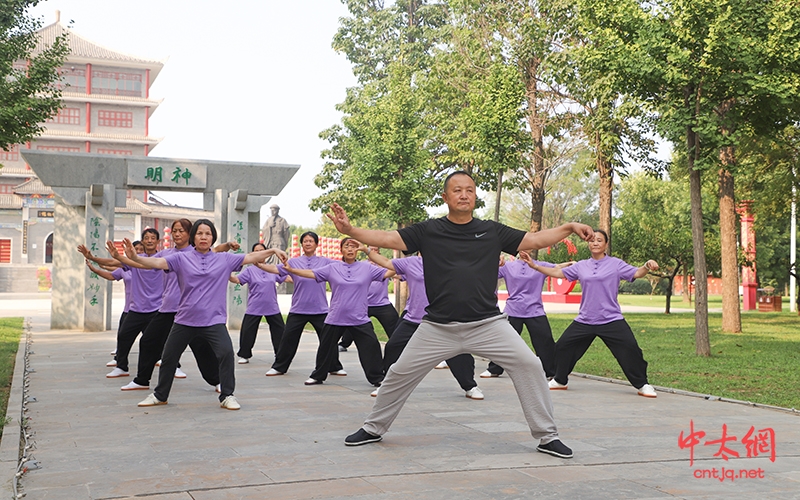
(461, 262)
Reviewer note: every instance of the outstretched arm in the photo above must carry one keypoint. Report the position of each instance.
(374, 237)
(269, 268)
(121, 258)
(103, 261)
(542, 239)
(100, 272)
(377, 258)
(305, 273)
(648, 266)
(137, 260)
(261, 256)
(228, 245)
(553, 272)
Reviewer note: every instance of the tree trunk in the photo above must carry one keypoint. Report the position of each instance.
(536, 125)
(687, 294)
(499, 194)
(701, 339)
(731, 313)
(606, 174)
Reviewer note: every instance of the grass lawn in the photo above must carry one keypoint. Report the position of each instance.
(10, 332)
(760, 365)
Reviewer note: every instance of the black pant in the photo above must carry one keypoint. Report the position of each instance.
(119, 329)
(369, 351)
(249, 331)
(291, 339)
(461, 366)
(179, 337)
(542, 340)
(134, 324)
(619, 338)
(151, 346)
(386, 316)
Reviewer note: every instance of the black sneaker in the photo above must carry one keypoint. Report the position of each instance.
(555, 448)
(360, 437)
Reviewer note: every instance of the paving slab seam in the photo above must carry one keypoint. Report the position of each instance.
(343, 477)
(681, 392)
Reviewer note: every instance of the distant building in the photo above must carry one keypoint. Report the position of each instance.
(107, 109)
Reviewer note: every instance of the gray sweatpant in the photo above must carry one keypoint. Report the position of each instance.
(492, 338)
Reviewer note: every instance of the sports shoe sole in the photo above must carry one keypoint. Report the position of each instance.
(651, 396)
(160, 403)
(490, 376)
(274, 374)
(315, 382)
(126, 374)
(554, 453)
(140, 388)
(366, 441)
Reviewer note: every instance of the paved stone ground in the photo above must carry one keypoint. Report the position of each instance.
(93, 442)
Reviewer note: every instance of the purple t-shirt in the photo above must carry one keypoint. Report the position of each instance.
(124, 275)
(599, 287)
(378, 293)
(147, 287)
(262, 297)
(172, 291)
(309, 296)
(203, 280)
(411, 269)
(349, 288)
(524, 287)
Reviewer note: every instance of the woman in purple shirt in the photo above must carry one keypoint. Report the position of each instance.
(349, 282)
(151, 344)
(309, 305)
(202, 312)
(118, 273)
(378, 307)
(461, 366)
(262, 300)
(599, 314)
(147, 286)
(524, 308)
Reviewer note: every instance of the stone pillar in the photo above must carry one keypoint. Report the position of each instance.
(68, 275)
(99, 229)
(25, 236)
(237, 229)
(749, 285)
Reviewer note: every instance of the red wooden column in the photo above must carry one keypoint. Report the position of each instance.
(749, 284)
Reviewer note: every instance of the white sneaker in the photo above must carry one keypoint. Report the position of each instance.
(340, 373)
(112, 363)
(151, 400)
(243, 361)
(179, 373)
(555, 386)
(475, 393)
(374, 393)
(158, 363)
(273, 373)
(133, 386)
(648, 391)
(114, 352)
(442, 366)
(230, 403)
(218, 388)
(117, 372)
(488, 374)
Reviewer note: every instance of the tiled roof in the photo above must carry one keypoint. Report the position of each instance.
(83, 48)
(33, 186)
(10, 201)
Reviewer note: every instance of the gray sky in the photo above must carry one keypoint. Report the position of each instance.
(250, 80)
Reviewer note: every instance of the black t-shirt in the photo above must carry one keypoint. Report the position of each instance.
(460, 263)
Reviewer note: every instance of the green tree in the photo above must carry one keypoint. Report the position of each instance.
(28, 73)
(653, 223)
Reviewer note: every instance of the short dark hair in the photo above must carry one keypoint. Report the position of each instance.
(153, 231)
(457, 172)
(312, 234)
(198, 223)
(256, 244)
(137, 242)
(186, 224)
(601, 231)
